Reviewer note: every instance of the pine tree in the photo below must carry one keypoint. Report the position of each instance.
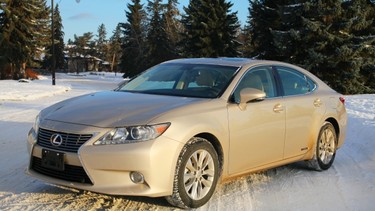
(101, 42)
(211, 29)
(335, 39)
(42, 35)
(361, 15)
(287, 33)
(114, 50)
(133, 47)
(158, 48)
(20, 22)
(173, 28)
(3, 22)
(59, 43)
(264, 19)
(247, 46)
(83, 47)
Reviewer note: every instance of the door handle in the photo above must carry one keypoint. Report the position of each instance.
(278, 108)
(317, 102)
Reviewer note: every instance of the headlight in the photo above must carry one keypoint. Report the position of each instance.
(36, 124)
(132, 134)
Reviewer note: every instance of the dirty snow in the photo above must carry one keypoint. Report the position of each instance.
(348, 185)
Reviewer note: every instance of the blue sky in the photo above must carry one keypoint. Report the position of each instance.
(87, 15)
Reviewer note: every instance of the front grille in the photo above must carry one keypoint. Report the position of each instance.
(70, 173)
(71, 142)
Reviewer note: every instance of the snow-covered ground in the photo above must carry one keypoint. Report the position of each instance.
(348, 185)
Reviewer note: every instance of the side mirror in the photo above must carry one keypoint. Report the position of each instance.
(250, 95)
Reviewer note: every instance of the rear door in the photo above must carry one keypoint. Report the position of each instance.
(303, 108)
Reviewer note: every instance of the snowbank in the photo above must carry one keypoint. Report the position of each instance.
(21, 90)
(11, 90)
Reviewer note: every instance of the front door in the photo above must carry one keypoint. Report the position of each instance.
(257, 133)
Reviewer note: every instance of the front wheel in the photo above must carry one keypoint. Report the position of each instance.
(325, 151)
(196, 176)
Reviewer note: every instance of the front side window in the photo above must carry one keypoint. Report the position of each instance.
(294, 82)
(258, 78)
(188, 80)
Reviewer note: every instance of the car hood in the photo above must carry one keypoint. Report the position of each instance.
(113, 108)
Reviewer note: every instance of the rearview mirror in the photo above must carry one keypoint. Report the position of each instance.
(250, 95)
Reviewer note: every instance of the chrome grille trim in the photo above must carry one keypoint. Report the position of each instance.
(71, 142)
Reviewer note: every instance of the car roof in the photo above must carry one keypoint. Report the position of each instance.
(238, 62)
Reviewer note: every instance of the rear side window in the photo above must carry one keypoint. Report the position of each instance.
(294, 82)
(312, 84)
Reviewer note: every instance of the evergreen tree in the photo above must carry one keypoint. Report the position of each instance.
(157, 37)
(42, 29)
(211, 29)
(264, 19)
(20, 22)
(83, 47)
(335, 37)
(173, 28)
(58, 43)
(101, 42)
(70, 42)
(247, 46)
(114, 50)
(3, 21)
(133, 47)
(286, 34)
(361, 15)
(84, 44)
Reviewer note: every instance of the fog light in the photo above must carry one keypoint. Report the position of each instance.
(137, 177)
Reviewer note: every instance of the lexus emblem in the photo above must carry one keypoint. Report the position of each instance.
(56, 140)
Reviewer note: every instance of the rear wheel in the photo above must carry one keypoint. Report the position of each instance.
(196, 174)
(325, 151)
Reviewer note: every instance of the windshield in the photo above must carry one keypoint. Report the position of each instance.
(188, 80)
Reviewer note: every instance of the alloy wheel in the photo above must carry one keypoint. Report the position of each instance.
(199, 174)
(326, 146)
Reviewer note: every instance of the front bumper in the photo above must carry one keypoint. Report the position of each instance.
(108, 167)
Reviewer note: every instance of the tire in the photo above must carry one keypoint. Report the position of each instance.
(196, 175)
(325, 150)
